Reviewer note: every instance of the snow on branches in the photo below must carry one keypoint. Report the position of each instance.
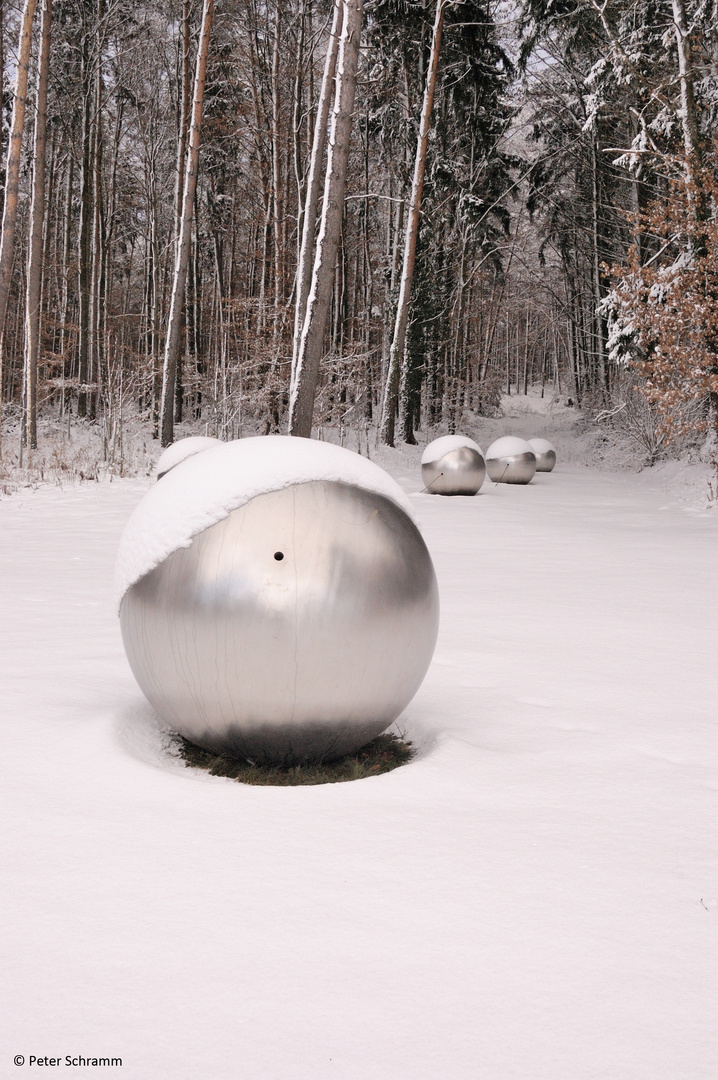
(663, 313)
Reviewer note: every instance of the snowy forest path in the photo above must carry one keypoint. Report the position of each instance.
(534, 896)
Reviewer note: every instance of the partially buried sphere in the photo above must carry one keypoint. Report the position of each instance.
(299, 625)
(510, 460)
(545, 454)
(452, 465)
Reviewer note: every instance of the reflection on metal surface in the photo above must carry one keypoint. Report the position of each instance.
(297, 628)
(510, 460)
(545, 454)
(458, 471)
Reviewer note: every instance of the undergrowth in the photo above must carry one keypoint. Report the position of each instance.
(381, 755)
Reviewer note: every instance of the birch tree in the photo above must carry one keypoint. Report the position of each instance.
(311, 199)
(184, 88)
(174, 324)
(301, 404)
(688, 111)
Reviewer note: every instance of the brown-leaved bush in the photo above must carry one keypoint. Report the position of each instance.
(664, 314)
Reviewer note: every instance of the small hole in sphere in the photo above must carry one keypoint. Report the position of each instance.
(279, 555)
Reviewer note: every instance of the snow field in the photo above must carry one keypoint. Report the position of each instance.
(534, 898)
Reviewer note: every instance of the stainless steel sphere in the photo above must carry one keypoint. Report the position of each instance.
(545, 454)
(181, 450)
(297, 628)
(510, 460)
(452, 465)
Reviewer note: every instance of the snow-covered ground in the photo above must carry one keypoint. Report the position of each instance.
(535, 897)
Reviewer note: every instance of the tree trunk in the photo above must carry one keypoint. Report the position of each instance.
(297, 120)
(185, 88)
(601, 381)
(37, 218)
(153, 305)
(2, 93)
(85, 238)
(172, 344)
(301, 404)
(65, 271)
(277, 213)
(97, 236)
(397, 350)
(689, 113)
(183, 111)
(311, 200)
(12, 176)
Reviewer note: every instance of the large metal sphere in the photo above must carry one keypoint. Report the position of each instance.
(545, 454)
(510, 460)
(297, 628)
(452, 465)
(181, 450)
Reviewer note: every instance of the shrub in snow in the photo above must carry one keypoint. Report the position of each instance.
(453, 465)
(545, 454)
(277, 601)
(510, 460)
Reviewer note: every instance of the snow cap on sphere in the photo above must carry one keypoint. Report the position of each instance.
(445, 444)
(211, 484)
(541, 446)
(507, 446)
(181, 450)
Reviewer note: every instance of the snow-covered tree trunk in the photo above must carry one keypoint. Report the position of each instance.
(37, 218)
(169, 368)
(184, 103)
(12, 174)
(690, 128)
(688, 112)
(301, 403)
(311, 199)
(398, 345)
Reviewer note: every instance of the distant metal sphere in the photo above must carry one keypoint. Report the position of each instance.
(452, 465)
(510, 460)
(545, 454)
(181, 450)
(297, 628)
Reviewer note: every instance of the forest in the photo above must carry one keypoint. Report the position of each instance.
(293, 215)
(353, 228)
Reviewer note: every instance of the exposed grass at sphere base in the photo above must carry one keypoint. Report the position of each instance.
(381, 755)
